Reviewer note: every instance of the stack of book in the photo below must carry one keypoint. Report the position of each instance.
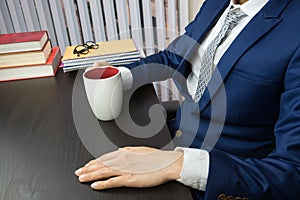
(115, 52)
(27, 55)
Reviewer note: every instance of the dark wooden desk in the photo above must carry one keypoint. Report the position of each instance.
(40, 148)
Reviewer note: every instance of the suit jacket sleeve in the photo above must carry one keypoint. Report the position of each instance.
(164, 64)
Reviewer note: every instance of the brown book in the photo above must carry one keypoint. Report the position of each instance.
(23, 41)
(33, 71)
(26, 58)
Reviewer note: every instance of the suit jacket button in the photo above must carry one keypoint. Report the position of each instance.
(238, 198)
(196, 185)
(230, 198)
(178, 133)
(222, 197)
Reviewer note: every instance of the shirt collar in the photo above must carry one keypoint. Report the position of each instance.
(251, 7)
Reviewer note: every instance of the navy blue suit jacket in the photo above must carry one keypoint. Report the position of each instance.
(249, 116)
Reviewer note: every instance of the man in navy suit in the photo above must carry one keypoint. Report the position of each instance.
(244, 133)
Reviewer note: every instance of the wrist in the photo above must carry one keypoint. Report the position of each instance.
(175, 168)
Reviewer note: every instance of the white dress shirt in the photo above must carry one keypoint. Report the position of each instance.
(195, 169)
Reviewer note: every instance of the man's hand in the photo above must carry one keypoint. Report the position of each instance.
(132, 167)
(99, 64)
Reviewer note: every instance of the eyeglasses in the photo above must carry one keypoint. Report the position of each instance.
(84, 48)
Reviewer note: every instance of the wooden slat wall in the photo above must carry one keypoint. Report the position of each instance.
(110, 18)
(59, 23)
(30, 17)
(148, 27)
(45, 19)
(123, 19)
(153, 24)
(17, 16)
(6, 25)
(161, 43)
(135, 21)
(97, 18)
(72, 22)
(85, 22)
(183, 15)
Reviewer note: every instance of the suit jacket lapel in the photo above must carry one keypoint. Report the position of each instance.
(205, 22)
(263, 22)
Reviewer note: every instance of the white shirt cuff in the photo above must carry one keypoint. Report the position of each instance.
(126, 77)
(194, 172)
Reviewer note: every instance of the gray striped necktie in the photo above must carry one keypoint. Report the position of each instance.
(206, 68)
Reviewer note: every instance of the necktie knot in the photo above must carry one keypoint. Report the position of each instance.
(233, 16)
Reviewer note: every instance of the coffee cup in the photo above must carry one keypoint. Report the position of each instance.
(103, 87)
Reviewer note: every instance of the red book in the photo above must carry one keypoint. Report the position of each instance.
(26, 57)
(23, 41)
(33, 71)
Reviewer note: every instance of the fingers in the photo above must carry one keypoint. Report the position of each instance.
(96, 163)
(98, 174)
(113, 182)
(95, 170)
(88, 168)
(92, 162)
(103, 63)
(139, 149)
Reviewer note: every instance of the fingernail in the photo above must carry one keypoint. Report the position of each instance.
(78, 172)
(81, 177)
(94, 185)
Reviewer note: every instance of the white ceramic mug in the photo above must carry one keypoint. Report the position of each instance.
(103, 87)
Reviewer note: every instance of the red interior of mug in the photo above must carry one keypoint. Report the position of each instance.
(101, 73)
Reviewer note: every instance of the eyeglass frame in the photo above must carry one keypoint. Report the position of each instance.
(86, 47)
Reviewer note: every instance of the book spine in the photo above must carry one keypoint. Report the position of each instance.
(135, 53)
(110, 62)
(48, 69)
(78, 67)
(101, 60)
(23, 41)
